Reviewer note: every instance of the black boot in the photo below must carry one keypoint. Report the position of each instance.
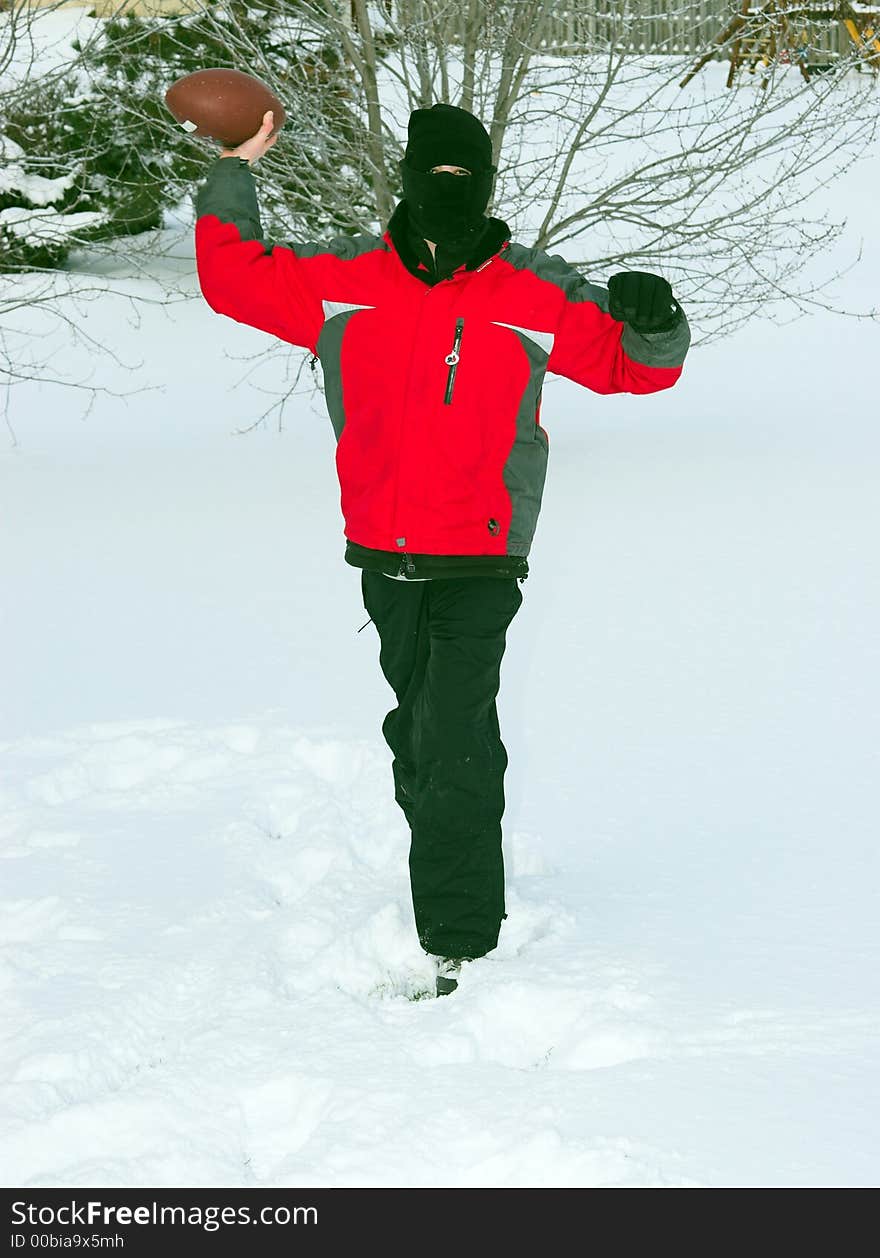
(448, 973)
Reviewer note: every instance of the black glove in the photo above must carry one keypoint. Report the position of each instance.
(643, 301)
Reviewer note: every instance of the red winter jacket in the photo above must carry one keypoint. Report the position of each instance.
(433, 389)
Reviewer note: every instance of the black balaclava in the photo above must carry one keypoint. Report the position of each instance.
(448, 209)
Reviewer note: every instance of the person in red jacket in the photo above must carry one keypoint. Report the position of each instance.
(434, 339)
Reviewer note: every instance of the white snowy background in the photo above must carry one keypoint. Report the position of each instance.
(208, 957)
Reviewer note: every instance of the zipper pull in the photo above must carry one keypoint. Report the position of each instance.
(452, 360)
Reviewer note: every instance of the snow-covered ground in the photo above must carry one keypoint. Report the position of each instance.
(208, 960)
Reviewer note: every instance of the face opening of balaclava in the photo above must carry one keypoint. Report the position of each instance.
(448, 209)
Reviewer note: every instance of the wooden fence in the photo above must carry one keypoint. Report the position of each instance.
(636, 25)
(680, 27)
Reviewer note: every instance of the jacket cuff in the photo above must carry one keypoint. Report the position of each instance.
(658, 349)
(230, 193)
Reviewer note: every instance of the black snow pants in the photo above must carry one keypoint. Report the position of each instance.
(441, 647)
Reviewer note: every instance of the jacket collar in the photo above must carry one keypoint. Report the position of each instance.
(417, 260)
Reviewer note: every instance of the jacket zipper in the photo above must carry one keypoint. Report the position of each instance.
(452, 360)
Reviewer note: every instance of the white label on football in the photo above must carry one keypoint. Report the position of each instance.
(190, 126)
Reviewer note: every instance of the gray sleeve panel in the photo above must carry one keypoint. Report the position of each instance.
(652, 349)
(344, 247)
(330, 353)
(554, 268)
(229, 192)
(658, 349)
(525, 468)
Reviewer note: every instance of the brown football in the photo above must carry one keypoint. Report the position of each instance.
(223, 105)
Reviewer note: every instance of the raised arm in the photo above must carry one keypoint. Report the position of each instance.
(242, 275)
(631, 337)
